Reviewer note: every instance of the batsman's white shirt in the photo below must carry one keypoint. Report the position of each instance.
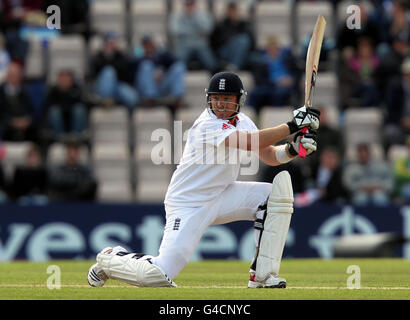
(207, 167)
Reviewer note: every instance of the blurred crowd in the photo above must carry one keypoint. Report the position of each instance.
(372, 65)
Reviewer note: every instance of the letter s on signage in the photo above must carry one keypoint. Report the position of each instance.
(61, 237)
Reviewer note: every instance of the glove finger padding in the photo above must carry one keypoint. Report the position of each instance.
(304, 117)
(314, 115)
(308, 140)
(309, 144)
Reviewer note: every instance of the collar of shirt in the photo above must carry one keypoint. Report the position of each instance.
(233, 121)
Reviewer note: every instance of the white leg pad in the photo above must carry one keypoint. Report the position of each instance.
(139, 272)
(275, 227)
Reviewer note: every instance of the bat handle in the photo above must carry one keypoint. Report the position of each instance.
(302, 150)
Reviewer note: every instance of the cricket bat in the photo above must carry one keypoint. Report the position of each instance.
(312, 64)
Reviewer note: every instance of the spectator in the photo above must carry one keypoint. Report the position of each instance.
(380, 14)
(232, 39)
(357, 76)
(114, 80)
(390, 64)
(15, 13)
(399, 20)
(72, 181)
(159, 75)
(361, 68)
(4, 60)
(325, 183)
(398, 109)
(401, 170)
(65, 109)
(29, 185)
(369, 181)
(274, 75)
(328, 135)
(190, 31)
(16, 116)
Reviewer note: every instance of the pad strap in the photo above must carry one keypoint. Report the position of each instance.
(258, 224)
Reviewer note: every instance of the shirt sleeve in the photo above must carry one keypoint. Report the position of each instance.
(252, 126)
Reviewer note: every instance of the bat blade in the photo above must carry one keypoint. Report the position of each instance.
(312, 58)
(312, 65)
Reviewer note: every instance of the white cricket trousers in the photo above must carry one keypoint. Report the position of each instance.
(185, 226)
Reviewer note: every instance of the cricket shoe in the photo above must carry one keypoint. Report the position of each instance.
(96, 276)
(270, 282)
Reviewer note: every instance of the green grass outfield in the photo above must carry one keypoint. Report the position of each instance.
(217, 280)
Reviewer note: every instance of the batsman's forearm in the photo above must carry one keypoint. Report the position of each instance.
(270, 136)
(257, 140)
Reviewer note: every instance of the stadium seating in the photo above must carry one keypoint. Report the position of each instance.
(272, 18)
(274, 116)
(149, 17)
(178, 6)
(247, 80)
(362, 125)
(108, 16)
(332, 115)
(56, 154)
(184, 119)
(96, 43)
(147, 120)
(112, 168)
(251, 113)
(67, 52)
(152, 191)
(115, 192)
(153, 144)
(15, 155)
(35, 64)
(109, 125)
(376, 150)
(306, 14)
(196, 82)
(220, 8)
(325, 89)
(343, 5)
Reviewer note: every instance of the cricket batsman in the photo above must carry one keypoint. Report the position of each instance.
(203, 193)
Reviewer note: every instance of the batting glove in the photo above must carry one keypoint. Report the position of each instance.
(308, 140)
(304, 117)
